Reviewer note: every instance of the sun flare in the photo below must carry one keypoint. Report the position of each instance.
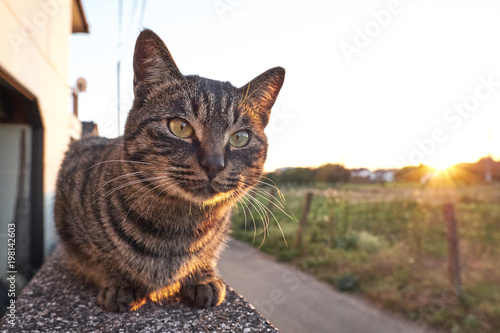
(441, 167)
(441, 164)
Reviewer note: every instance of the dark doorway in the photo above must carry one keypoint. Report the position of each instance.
(21, 179)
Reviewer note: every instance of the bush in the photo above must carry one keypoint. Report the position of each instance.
(348, 282)
(368, 242)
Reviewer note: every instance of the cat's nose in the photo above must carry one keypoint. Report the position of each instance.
(212, 165)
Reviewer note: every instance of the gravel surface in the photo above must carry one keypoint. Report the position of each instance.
(54, 301)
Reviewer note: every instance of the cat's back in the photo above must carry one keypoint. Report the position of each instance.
(82, 158)
(87, 148)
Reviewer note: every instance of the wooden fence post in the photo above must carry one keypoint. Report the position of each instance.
(452, 238)
(303, 219)
(270, 202)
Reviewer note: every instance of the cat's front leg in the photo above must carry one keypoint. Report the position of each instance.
(115, 298)
(203, 290)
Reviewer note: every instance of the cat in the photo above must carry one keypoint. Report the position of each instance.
(145, 215)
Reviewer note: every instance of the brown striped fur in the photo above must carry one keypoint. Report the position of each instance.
(147, 211)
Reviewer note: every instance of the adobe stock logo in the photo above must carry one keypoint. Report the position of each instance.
(281, 118)
(363, 37)
(453, 117)
(126, 102)
(107, 127)
(291, 281)
(223, 6)
(30, 27)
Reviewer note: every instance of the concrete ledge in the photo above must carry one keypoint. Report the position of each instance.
(54, 301)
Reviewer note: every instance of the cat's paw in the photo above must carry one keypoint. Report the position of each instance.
(117, 299)
(204, 294)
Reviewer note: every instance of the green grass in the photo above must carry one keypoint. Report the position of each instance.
(389, 245)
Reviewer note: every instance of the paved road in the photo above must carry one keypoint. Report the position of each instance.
(296, 302)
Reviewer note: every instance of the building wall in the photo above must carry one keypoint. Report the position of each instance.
(34, 46)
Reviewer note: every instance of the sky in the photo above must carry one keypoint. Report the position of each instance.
(376, 84)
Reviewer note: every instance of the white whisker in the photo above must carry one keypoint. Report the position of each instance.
(168, 183)
(277, 222)
(270, 201)
(129, 184)
(251, 215)
(262, 213)
(282, 197)
(116, 178)
(151, 189)
(115, 161)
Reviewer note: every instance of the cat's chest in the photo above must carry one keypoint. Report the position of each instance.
(181, 230)
(186, 249)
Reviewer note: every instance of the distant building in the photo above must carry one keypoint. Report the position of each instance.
(385, 175)
(281, 170)
(363, 174)
(89, 128)
(35, 124)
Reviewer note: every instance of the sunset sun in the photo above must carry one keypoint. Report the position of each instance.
(441, 166)
(444, 161)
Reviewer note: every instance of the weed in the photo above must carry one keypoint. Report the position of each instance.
(389, 244)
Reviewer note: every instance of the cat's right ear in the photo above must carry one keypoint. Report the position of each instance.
(153, 65)
(261, 93)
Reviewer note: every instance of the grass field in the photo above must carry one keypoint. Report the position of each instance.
(388, 244)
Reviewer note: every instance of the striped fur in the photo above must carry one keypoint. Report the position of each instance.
(138, 214)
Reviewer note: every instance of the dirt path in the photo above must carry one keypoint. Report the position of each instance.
(297, 302)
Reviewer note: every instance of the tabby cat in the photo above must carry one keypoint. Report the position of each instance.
(145, 215)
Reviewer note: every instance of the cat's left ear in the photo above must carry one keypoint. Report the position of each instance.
(261, 93)
(153, 65)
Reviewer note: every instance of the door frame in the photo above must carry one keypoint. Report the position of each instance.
(22, 107)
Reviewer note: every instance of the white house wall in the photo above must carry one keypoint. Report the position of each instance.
(34, 46)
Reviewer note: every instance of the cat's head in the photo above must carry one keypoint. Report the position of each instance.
(197, 139)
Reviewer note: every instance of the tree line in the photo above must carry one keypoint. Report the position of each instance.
(327, 173)
(467, 173)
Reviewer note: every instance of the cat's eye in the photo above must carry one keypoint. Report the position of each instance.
(181, 128)
(239, 139)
